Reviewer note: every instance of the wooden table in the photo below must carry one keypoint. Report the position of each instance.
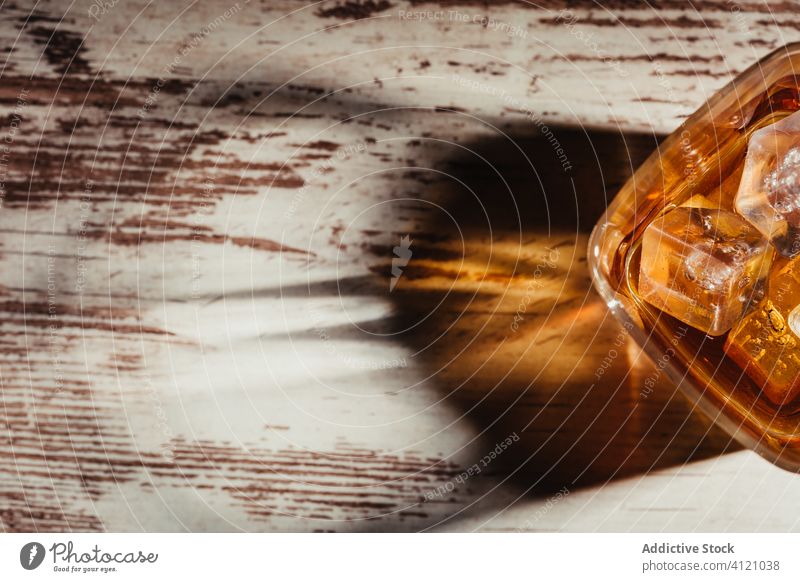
(272, 265)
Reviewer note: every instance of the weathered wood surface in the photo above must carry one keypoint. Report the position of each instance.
(200, 207)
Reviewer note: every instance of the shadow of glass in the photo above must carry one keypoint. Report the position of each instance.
(496, 301)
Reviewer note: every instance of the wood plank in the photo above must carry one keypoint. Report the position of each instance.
(200, 209)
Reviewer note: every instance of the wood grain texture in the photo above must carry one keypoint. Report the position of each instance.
(200, 209)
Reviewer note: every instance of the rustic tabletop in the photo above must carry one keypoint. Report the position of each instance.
(280, 265)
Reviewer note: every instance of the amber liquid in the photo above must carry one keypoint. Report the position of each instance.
(696, 355)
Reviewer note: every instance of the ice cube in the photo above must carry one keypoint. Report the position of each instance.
(703, 266)
(765, 344)
(769, 193)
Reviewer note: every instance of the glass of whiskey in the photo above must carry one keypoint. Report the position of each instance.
(699, 256)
